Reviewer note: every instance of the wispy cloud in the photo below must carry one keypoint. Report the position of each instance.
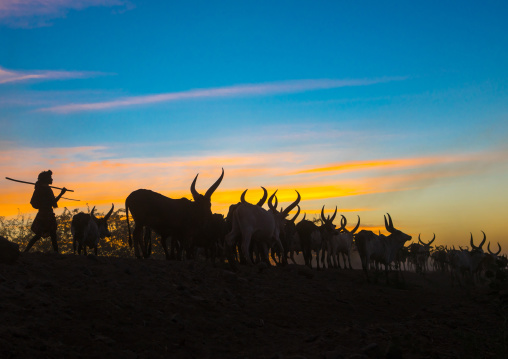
(285, 87)
(7, 76)
(37, 13)
(98, 176)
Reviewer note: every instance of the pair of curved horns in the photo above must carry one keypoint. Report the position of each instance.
(494, 254)
(272, 206)
(106, 217)
(327, 220)
(389, 225)
(288, 209)
(208, 194)
(296, 215)
(426, 244)
(481, 244)
(343, 223)
(261, 201)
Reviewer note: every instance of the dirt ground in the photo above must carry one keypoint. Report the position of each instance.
(67, 306)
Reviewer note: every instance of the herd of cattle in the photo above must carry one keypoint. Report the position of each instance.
(251, 234)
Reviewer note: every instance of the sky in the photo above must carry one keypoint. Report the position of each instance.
(372, 106)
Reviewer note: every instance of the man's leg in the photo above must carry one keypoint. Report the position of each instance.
(32, 242)
(53, 242)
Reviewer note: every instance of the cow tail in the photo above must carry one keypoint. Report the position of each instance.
(128, 224)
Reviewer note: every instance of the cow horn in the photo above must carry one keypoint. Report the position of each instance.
(304, 215)
(387, 226)
(419, 240)
(110, 212)
(276, 202)
(263, 199)
(390, 222)
(292, 205)
(270, 204)
(484, 239)
(433, 239)
(212, 189)
(91, 213)
(343, 223)
(242, 197)
(296, 215)
(334, 214)
(195, 194)
(472, 244)
(356, 228)
(323, 214)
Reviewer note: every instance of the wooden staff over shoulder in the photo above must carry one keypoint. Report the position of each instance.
(69, 190)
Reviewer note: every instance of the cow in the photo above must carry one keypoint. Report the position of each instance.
(87, 229)
(212, 238)
(419, 254)
(315, 238)
(232, 209)
(466, 264)
(255, 224)
(288, 236)
(308, 234)
(343, 242)
(181, 219)
(382, 249)
(492, 263)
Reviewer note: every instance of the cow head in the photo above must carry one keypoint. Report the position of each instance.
(343, 224)
(204, 202)
(328, 228)
(280, 217)
(479, 248)
(426, 246)
(102, 223)
(260, 202)
(396, 234)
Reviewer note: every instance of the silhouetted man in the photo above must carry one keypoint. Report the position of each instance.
(43, 199)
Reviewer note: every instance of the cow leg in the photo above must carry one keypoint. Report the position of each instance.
(349, 260)
(164, 243)
(247, 237)
(137, 237)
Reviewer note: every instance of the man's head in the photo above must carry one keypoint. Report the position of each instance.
(45, 177)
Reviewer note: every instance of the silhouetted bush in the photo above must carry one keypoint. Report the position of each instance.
(18, 230)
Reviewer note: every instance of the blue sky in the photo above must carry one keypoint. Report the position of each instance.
(376, 107)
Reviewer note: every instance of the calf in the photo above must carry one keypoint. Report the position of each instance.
(87, 229)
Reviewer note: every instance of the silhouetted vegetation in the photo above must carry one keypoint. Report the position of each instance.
(18, 230)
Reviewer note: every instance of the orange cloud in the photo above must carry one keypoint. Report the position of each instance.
(396, 163)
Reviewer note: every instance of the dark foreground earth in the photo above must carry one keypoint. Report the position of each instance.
(65, 306)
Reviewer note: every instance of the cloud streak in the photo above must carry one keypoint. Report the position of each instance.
(9, 76)
(247, 90)
(38, 13)
(98, 177)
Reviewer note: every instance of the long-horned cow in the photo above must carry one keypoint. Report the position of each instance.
(309, 237)
(87, 229)
(419, 254)
(382, 249)
(229, 217)
(254, 223)
(344, 242)
(177, 218)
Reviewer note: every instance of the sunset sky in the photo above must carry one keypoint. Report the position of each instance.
(371, 106)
